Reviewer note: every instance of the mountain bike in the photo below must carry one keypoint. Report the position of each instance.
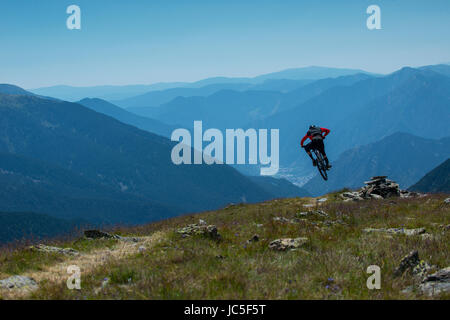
(321, 166)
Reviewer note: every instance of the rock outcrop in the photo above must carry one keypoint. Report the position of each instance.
(97, 234)
(412, 263)
(287, 244)
(50, 249)
(202, 229)
(18, 282)
(394, 231)
(317, 213)
(430, 284)
(436, 283)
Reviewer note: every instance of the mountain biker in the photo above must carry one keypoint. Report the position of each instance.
(316, 134)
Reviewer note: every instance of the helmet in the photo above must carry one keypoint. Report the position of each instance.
(312, 126)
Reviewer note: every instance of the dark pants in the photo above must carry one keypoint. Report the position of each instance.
(316, 144)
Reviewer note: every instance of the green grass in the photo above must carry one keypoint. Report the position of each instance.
(23, 260)
(331, 266)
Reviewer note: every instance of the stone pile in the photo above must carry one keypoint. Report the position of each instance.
(379, 187)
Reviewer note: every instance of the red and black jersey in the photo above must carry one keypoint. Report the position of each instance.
(315, 133)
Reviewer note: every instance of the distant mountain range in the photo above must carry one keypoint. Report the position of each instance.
(235, 109)
(435, 181)
(409, 100)
(113, 93)
(68, 161)
(402, 157)
(124, 116)
(96, 161)
(14, 90)
(106, 153)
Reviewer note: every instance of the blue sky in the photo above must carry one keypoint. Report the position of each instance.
(147, 41)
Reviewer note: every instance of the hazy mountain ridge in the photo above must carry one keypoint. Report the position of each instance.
(124, 116)
(114, 93)
(435, 181)
(116, 155)
(364, 112)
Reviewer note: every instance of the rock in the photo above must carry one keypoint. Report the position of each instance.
(202, 230)
(319, 213)
(408, 262)
(379, 187)
(349, 195)
(447, 201)
(128, 239)
(426, 236)
(436, 283)
(287, 244)
(97, 234)
(18, 282)
(408, 290)
(392, 231)
(308, 205)
(49, 249)
(322, 200)
(408, 194)
(442, 275)
(142, 249)
(418, 268)
(422, 269)
(255, 238)
(202, 222)
(283, 220)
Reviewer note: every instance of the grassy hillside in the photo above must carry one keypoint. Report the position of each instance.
(331, 265)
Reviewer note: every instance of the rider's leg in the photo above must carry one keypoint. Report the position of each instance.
(308, 151)
(321, 148)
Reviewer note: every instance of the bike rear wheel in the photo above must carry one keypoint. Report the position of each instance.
(321, 165)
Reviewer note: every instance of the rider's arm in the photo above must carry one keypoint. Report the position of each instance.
(326, 131)
(303, 140)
